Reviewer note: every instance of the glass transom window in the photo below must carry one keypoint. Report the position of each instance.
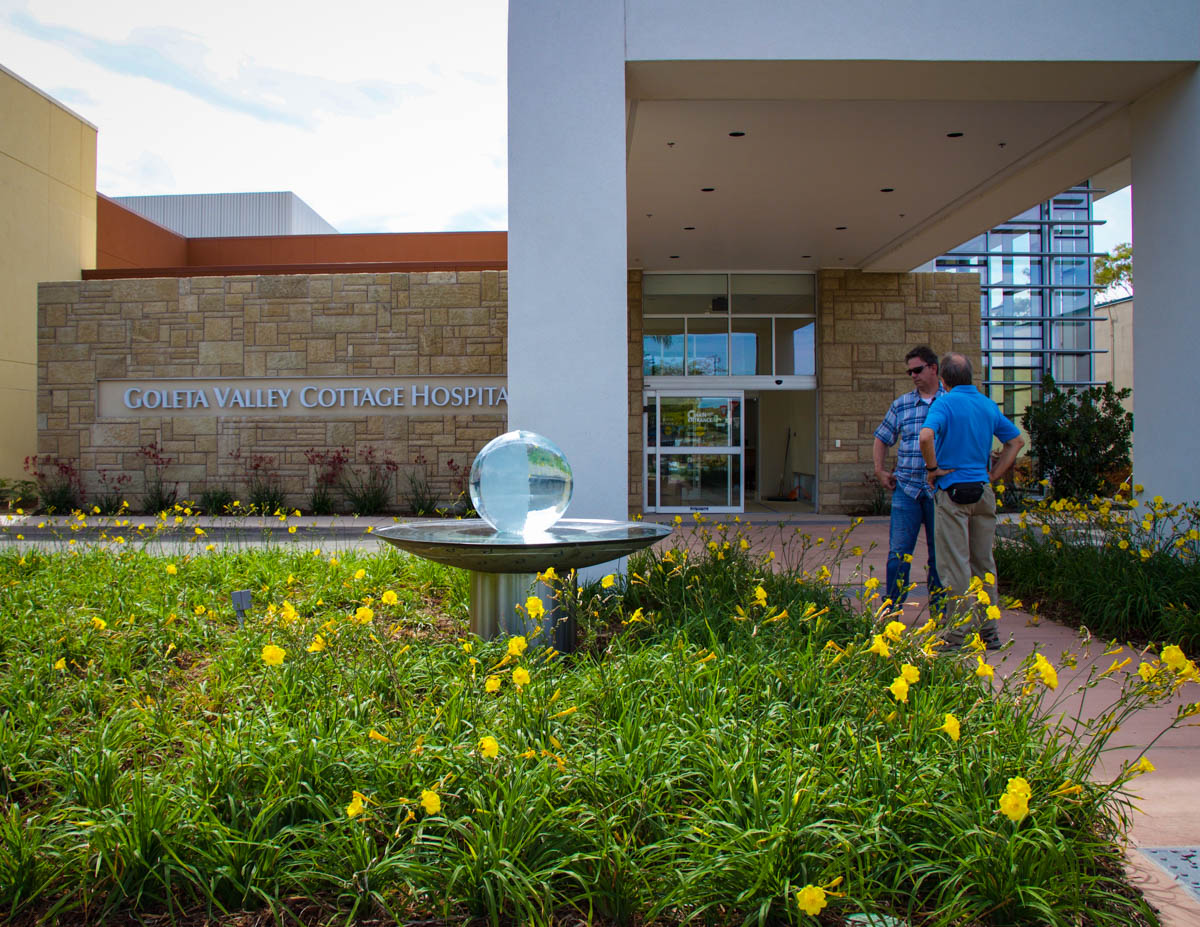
(742, 325)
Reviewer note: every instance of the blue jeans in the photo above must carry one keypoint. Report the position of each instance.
(908, 515)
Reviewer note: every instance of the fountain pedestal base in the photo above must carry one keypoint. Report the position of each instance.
(504, 567)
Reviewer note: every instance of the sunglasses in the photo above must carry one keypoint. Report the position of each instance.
(915, 370)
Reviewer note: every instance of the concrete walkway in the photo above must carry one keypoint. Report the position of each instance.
(1167, 812)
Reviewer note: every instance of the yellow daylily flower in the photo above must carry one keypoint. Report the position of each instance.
(811, 900)
(273, 655)
(358, 804)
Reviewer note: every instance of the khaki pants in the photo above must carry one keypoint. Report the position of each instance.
(964, 535)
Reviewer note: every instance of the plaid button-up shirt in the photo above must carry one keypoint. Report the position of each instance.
(903, 421)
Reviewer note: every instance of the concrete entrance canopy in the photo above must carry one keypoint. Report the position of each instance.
(838, 102)
(821, 144)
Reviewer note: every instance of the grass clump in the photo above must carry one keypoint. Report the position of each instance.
(734, 747)
(1126, 568)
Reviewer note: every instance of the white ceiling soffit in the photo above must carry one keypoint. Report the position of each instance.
(803, 187)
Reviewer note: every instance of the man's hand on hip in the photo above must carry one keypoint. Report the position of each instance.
(931, 476)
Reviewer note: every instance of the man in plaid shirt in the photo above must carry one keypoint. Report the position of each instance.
(912, 499)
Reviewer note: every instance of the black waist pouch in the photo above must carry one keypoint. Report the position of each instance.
(966, 493)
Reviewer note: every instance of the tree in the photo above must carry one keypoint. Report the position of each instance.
(1115, 270)
(1081, 439)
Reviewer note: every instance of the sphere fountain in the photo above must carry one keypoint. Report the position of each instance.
(520, 484)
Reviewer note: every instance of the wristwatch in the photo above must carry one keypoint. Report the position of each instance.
(931, 469)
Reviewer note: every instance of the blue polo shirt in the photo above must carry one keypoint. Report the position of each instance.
(963, 423)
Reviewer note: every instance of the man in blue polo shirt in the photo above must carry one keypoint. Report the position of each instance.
(912, 498)
(956, 445)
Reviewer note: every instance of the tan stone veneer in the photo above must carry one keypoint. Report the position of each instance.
(866, 324)
(427, 325)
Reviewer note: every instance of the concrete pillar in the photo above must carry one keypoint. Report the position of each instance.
(567, 350)
(1166, 328)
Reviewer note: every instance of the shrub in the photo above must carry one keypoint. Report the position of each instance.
(216, 500)
(370, 492)
(1123, 573)
(461, 505)
(264, 491)
(877, 500)
(18, 494)
(330, 466)
(158, 496)
(1081, 439)
(419, 497)
(111, 500)
(59, 485)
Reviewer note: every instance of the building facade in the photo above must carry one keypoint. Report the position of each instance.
(230, 377)
(47, 232)
(707, 139)
(1036, 298)
(739, 387)
(224, 376)
(213, 215)
(690, 180)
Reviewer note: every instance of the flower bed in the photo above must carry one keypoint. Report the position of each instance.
(737, 743)
(1127, 568)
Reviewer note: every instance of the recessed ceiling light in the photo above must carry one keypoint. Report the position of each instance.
(954, 135)
(737, 134)
(689, 228)
(840, 228)
(887, 189)
(707, 189)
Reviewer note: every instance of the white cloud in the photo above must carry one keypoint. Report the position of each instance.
(382, 117)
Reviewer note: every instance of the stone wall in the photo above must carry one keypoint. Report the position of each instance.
(867, 323)
(351, 325)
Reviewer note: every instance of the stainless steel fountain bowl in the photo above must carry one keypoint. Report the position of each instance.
(473, 544)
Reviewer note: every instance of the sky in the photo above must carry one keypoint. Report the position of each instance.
(1116, 209)
(384, 117)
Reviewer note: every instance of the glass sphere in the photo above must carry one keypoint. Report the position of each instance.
(520, 483)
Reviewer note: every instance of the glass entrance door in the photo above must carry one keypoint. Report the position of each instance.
(694, 450)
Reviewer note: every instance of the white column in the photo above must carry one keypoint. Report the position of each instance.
(567, 352)
(1166, 327)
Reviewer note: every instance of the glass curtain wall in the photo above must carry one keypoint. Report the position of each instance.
(1036, 276)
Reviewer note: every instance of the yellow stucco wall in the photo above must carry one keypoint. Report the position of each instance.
(47, 232)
